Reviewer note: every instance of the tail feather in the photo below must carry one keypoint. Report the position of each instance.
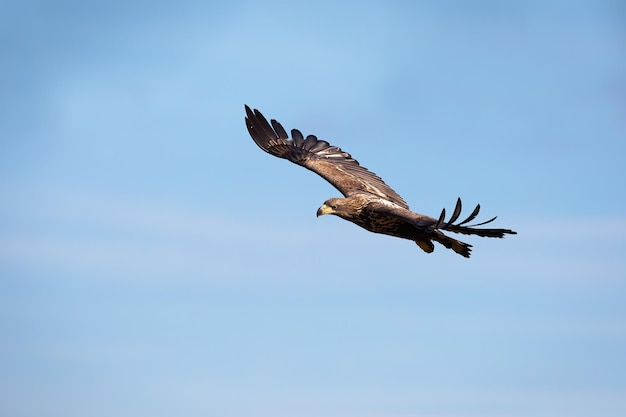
(462, 248)
(459, 247)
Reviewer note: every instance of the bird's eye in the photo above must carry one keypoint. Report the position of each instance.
(334, 207)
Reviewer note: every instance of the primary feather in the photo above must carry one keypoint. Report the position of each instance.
(330, 162)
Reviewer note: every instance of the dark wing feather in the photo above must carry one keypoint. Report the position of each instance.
(469, 229)
(330, 162)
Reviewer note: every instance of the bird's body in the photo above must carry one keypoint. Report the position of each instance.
(381, 216)
(368, 202)
(372, 213)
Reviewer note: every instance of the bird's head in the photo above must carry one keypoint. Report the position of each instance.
(331, 206)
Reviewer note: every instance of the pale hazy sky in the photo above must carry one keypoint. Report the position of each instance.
(155, 262)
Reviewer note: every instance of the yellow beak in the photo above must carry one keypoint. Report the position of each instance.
(324, 210)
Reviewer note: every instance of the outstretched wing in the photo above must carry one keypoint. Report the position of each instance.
(473, 229)
(330, 162)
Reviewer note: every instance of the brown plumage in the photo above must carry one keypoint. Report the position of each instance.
(368, 202)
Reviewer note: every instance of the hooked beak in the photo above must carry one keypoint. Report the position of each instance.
(324, 210)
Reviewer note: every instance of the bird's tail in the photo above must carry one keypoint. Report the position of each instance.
(459, 247)
(470, 229)
(462, 248)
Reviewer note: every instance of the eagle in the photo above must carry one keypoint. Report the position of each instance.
(368, 202)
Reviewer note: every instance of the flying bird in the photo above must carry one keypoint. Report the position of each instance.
(368, 202)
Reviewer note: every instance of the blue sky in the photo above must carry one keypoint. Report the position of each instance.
(155, 262)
